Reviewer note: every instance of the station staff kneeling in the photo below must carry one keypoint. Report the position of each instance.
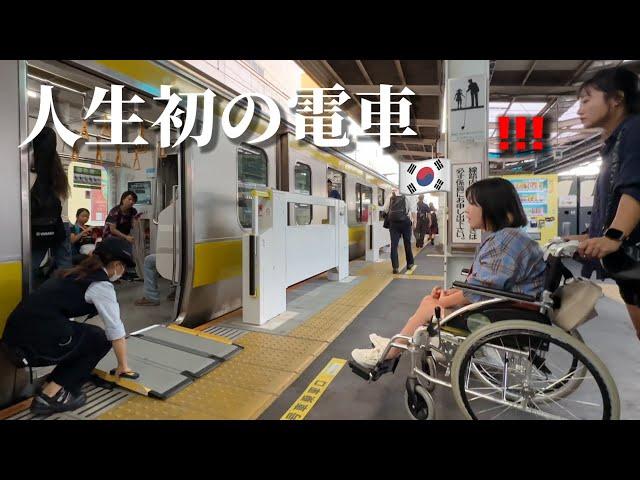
(39, 328)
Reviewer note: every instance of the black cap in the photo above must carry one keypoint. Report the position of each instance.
(113, 248)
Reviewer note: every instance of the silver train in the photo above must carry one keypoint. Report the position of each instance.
(208, 188)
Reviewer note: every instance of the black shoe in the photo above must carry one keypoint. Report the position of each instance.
(62, 401)
(409, 267)
(395, 270)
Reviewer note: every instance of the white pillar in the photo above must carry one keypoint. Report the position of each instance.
(463, 145)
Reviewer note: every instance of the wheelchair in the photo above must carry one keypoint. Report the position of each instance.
(505, 358)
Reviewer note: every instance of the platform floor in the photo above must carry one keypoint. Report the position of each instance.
(323, 323)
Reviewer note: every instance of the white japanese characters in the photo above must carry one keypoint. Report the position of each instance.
(317, 112)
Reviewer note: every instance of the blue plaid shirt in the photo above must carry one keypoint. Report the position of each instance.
(507, 260)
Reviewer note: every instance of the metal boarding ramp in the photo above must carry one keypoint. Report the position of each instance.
(168, 359)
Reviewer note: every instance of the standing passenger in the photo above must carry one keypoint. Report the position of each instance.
(398, 210)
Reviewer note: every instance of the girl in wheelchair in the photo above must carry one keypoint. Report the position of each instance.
(507, 259)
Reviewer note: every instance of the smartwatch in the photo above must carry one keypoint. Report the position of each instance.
(614, 234)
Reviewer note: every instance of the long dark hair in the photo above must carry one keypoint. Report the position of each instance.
(86, 267)
(47, 163)
(498, 199)
(612, 81)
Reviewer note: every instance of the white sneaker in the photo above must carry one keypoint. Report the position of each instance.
(367, 357)
(379, 342)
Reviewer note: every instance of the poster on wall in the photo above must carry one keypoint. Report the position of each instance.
(467, 109)
(99, 208)
(463, 175)
(539, 197)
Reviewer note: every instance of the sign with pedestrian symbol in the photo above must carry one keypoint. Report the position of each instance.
(467, 114)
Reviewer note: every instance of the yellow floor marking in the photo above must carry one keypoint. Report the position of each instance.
(420, 277)
(305, 402)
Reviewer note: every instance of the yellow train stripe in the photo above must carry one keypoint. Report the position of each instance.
(305, 402)
(335, 162)
(216, 261)
(197, 333)
(357, 234)
(11, 288)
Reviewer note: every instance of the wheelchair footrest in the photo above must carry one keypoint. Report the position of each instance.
(373, 374)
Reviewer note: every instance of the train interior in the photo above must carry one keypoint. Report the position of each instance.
(99, 175)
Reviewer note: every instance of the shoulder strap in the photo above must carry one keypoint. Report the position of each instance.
(613, 171)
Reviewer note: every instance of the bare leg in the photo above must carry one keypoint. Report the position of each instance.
(634, 313)
(424, 313)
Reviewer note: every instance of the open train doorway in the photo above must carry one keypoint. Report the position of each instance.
(100, 179)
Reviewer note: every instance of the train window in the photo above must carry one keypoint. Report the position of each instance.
(363, 200)
(252, 174)
(380, 197)
(337, 179)
(302, 184)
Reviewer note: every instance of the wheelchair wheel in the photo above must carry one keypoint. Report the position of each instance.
(526, 361)
(572, 377)
(421, 406)
(428, 365)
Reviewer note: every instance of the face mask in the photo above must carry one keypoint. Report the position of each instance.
(115, 276)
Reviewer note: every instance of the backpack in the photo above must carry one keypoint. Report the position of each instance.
(47, 229)
(397, 209)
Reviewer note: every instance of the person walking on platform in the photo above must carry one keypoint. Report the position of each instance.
(432, 229)
(40, 330)
(422, 221)
(610, 100)
(398, 211)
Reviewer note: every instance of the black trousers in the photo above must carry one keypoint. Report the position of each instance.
(397, 230)
(74, 360)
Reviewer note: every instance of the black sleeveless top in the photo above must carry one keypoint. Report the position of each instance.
(43, 317)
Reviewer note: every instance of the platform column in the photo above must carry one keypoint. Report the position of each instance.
(466, 147)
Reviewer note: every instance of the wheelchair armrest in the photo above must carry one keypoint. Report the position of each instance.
(494, 292)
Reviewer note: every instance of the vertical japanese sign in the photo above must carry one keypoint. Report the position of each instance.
(539, 197)
(468, 111)
(463, 175)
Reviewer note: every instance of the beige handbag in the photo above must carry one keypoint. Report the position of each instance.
(578, 299)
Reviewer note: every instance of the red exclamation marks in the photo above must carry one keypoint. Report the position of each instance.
(537, 133)
(503, 125)
(521, 126)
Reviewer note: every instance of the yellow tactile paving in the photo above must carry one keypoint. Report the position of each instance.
(244, 386)
(217, 400)
(253, 377)
(277, 359)
(144, 408)
(280, 342)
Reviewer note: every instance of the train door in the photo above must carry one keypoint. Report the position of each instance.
(100, 175)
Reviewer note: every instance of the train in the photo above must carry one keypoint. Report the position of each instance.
(199, 196)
